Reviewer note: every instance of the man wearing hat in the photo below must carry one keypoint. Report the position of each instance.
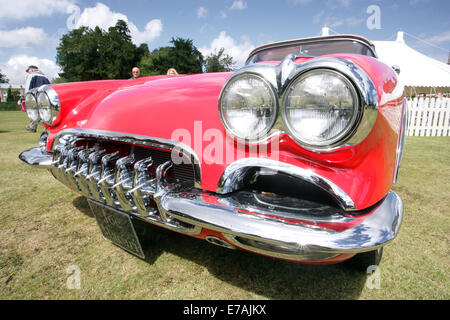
(35, 79)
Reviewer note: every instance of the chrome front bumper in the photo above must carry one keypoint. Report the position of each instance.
(252, 226)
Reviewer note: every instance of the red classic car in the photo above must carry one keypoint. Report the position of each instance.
(292, 156)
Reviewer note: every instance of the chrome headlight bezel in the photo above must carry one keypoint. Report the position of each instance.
(342, 135)
(31, 106)
(48, 104)
(257, 136)
(281, 76)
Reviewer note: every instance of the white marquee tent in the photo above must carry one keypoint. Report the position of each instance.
(416, 69)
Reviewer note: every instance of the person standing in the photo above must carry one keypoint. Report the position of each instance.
(172, 71)
(21, 103)
(35, 79)
(136, 73)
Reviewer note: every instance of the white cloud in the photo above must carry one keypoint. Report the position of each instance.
(345, 3)
(22, 37)
(440, 38)
(152, 31)
(416, 2)
(238, 5)
(103, 17)
(334, 22)
(202, 12)
(354, 22)
(239, 51)
(15, 68)
(317, 17)
(25, 9)
(300, 1)
(223, 15)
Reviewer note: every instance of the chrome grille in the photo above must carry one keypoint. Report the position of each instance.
(122, 176)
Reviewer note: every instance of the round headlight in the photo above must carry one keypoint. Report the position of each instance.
(45, 108)
(248, 106)
(31, 105)
(320, 108)
(48, 104)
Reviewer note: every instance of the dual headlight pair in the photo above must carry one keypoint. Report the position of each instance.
(43, 104)
(319, 108)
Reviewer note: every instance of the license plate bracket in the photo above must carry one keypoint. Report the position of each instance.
(117, 227)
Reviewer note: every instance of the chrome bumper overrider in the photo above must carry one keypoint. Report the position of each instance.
(126, 184)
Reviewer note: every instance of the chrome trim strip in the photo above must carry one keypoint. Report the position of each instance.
(401, 139)
(165, 144)
(232, 178)
(341, 37)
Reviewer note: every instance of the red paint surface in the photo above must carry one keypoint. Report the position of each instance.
(157, 106)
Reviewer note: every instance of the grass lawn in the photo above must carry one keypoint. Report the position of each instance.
(45, 229)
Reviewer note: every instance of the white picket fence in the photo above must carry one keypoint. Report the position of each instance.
(428, 117)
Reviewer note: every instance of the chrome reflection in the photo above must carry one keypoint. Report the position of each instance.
(165, 144)
(282, 75)
(149, 193)
(117, 182)
(232, 178)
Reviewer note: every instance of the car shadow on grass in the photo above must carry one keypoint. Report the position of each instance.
(81, 204)
(271, 278)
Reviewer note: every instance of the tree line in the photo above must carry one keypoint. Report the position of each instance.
(93, 54)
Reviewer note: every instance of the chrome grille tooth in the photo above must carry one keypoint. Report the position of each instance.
(94, 174)
(57, 154)
(161, 188)
(72, 167)
(95, 160)
(143, 187)
(107, 177)
(63, 164)
(83, 167)
(161, 175)
(123, 182)
(57, 159)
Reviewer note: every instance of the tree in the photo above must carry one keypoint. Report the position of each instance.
(12, 95)
(148, 64)
(9, 96)
(182, 55)
(3, 78)
(219, 62)
(94, 54)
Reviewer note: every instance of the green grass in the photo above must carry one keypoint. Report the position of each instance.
(9, 106)
(45, 228)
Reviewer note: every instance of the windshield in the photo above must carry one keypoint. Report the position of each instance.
(311, 49)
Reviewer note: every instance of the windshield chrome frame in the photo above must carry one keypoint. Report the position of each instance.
(294, 42)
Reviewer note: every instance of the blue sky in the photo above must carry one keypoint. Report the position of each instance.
(30, 30)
